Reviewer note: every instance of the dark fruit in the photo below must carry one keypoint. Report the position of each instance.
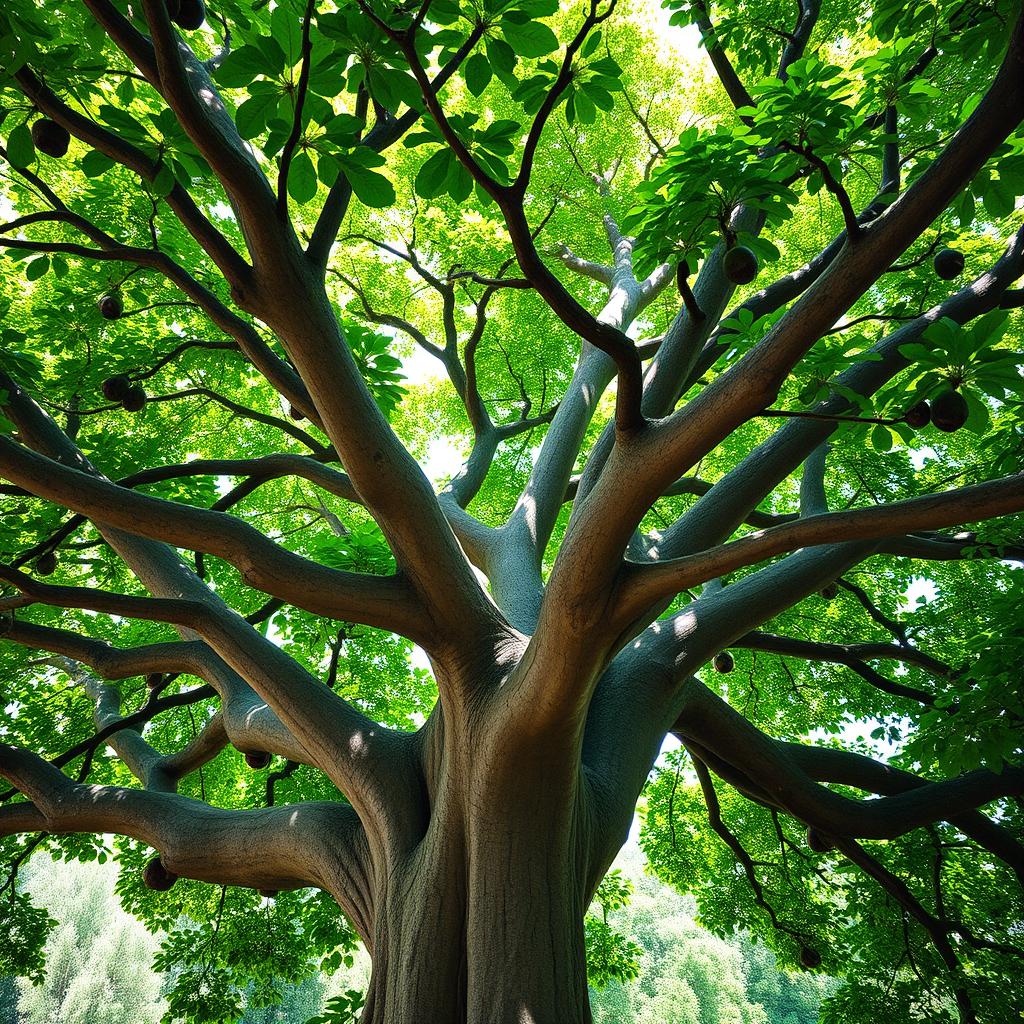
(173, 9)
(810, 958)
(257, 759)
(948, 263)
(723, 662)
(191, 14)
(740, 265)
(296, 414)
(949, 411)
(818, 841)
(111, 306)
(134, 399)
(117, 387)
(156, 876)
(830, 591)
(918, 416)
(269, 893)
(46, 563)
(50, 138)
(154, 679)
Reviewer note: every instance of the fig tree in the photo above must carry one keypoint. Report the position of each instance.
(740, 265)
(948, 263)
(949, 411)
(50, 138)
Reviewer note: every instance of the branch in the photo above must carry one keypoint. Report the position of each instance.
(643, 586)
(354, 597)
(734, 87)
(178, 199)
(595, 271)
(277, 373)
(195, 102)
(711, 724)
(672, 445)
(194, 839)
(850, 655)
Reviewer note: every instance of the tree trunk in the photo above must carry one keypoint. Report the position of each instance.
(505, 949)
(482, 921)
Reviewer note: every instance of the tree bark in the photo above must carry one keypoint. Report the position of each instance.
(480, 919)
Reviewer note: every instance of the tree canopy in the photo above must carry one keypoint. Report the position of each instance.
(714, 305)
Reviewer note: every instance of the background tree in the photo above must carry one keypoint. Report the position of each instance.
(97, 966)
(211, 211)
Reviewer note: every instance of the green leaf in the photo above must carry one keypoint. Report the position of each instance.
(371, 188)
(241, 66)
(36, 268)
(592, 43)
(501, 56)
(477, 72)
(881, 439)
(95, 163)
(532, 39)
(21, 151)
(302, 179)
(252, 116)
(431, 177)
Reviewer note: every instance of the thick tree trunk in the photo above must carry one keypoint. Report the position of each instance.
(482, 921)
(493, 939)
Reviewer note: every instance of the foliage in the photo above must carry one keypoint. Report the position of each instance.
(544, 122)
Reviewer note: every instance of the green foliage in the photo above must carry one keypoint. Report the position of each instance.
(688, 203)
(342, 1009)
(610, 955)
(231, 953)
(26, 929)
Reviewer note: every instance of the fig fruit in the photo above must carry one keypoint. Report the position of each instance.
(50, 138)
(191, 14)
(723, 662)
(257, 759)
(948, 263)
(809, 958)
(740, 265)
(949, 411)
(134, 400)
(918, 416)
(110, 305)
(156, 876)
(46, 563)
(117, 387)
